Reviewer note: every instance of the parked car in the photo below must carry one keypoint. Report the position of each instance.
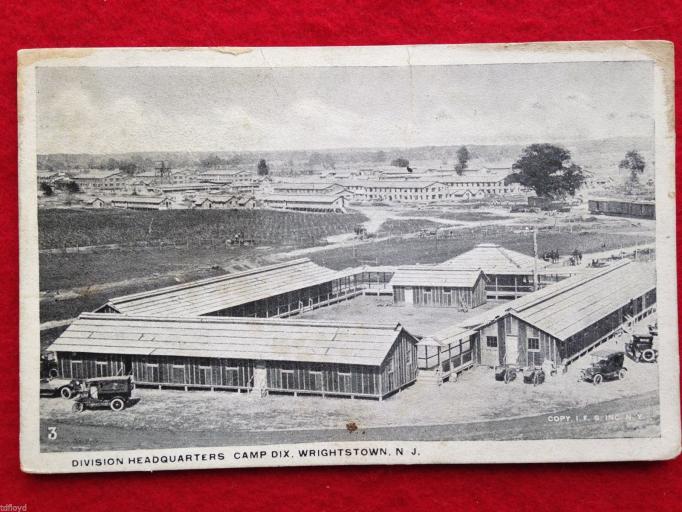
(604, 365)
(653, 328)
(505, 373)
(533, 375)
(640, 348)
(112, 392)
(55, 386)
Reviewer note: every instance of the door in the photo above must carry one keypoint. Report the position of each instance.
(511, 326)
(409, 295)
(489, 347)
(260, 379)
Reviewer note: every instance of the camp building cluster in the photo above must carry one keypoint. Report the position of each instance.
(240, 332)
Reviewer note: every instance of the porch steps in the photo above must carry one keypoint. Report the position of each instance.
(429, 378)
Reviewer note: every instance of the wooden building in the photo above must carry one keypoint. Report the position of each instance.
(509, 273)
(217, 202)
(565, 320)
(265, 356)
(98, 180)
(279, 290)
(307, 202)
(94, 202)
(141, 202)
(439, 287)
(447, 353)
(623, 207)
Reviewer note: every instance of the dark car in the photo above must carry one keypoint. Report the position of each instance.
(604, 365)
(640, 348)
(505, 373)
(534, 376)
(55, 386)
(112, 392)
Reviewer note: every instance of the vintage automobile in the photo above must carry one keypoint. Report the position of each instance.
(653, 328)
(533, 375)
(55, 386)
(505, 373)
(112, 392)
(605, 365)
(641, 348)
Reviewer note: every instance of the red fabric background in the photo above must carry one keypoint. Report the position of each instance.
(34, 24)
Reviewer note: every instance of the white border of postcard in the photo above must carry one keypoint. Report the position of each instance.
(554, 450)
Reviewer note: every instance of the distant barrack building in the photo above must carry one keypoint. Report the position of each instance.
(331, 202)
(99, 181)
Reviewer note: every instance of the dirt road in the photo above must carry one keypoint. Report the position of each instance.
(635, 416)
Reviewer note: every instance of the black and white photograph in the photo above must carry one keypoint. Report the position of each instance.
(369, 255)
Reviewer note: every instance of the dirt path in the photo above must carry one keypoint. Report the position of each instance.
(635, 416)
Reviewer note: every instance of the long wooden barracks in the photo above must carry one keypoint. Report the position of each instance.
(559, 323)
(230, 332)
(243, 354)
(276, 290)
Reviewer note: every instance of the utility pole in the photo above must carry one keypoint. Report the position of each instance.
(535, 258)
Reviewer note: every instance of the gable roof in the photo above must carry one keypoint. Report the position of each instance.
(494, 259)
(232, 338)
(216, 199)
(216, 293)
(304, 198)
(139, 199)
(94, 174)
(422, 275)
(569, 306)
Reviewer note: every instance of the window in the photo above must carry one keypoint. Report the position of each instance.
(533, 344)
(288, 379)
(344, 382)
(77, 369)
(491, 341)
(316, 380)
(102, 368)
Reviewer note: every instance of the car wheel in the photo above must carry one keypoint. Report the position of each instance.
(597, 379)
(53, 373)
(66, 392)
(78, 407)
(622, 373)
(117, 404)
(648, 355)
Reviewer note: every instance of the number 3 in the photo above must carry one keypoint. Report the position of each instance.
(52, 433)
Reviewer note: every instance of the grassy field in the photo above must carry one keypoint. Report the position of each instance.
(400, 226)
(71, 227)
(400, 251)
(462, 215)
(63, 271)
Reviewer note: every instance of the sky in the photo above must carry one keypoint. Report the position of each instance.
(115, 110)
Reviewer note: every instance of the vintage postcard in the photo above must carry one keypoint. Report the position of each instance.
(236, 257)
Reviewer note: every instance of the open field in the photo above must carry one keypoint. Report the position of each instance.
(72, 227)
(400, 226)
(59, 271)
(454, 214)
(404, 251)
(420, 321)
(475, 397)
